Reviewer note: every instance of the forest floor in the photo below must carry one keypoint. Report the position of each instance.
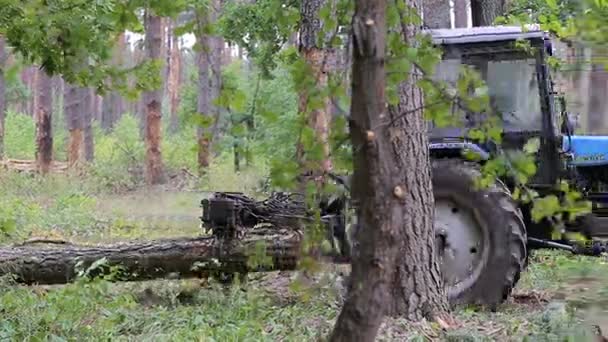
(560, 296)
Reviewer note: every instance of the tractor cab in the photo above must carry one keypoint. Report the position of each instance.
(512, 62)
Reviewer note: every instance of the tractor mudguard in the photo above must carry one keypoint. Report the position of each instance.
(586, 150)
(456, 148)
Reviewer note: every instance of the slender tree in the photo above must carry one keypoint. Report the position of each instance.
(203, 91)
(3, 105)
(89, 106)
(74, 111)
(461, 13)
(173, 79)
(321, 61)
(216, 44)
(43, 116)
(153, 101)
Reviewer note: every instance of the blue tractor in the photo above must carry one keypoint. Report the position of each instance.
(483, 235)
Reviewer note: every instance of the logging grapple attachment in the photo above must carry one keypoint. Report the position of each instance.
(229, 215)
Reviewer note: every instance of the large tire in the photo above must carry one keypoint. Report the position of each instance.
(499, 254)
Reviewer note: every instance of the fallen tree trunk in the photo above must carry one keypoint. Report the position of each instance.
(176, 258)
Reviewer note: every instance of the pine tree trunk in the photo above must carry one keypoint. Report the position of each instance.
(437, 14)
(461, 13)
(107, 112)
(203, 103)
(173, 84)
(321, 61)
(153, 101)
(417, 290)
(44, 133)
(395, 270)
(484, 12)
(74, 110)
(88, 98)
(374, 180)
(3, 104)
(215, 58)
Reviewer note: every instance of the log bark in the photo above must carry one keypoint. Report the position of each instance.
(153, 101)
(183, 258)
(44, 134)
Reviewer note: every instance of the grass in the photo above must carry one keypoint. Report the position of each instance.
(559, 298)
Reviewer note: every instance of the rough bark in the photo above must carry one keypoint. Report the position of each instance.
(187, 257)
(437, 14)
(395, 270)
(74, 111)
(374, 182)
(3, 105)
(153, 101)
(418, 291)
(461, 13)
(44, 134)
(203, 103)
(484, 12)
(321, 61)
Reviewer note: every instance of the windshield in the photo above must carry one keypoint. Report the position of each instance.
(512, 86)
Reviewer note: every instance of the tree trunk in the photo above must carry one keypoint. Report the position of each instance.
(418, 291)
(395, 270)
(74, 111)
(187, 257)
(44, 134)
(3, 105)
(153, 101)
(203, 105)
(88, 98)
(173, 84)
(374, 182)
(437, 14)
(484, 12)
(215, 58)
(321, 62)
(461, 13)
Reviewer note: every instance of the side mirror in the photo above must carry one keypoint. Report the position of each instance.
(569, 123)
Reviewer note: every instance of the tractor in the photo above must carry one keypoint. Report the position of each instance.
(483, 235)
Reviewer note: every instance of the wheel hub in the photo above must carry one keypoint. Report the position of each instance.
(459, 245)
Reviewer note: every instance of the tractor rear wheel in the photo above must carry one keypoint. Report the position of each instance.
(480, 235)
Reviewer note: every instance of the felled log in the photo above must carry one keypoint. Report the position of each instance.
(175, 258)
(30, 165)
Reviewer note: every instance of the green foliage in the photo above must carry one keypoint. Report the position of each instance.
(75, 39)
(261, 28)
(20, 136)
